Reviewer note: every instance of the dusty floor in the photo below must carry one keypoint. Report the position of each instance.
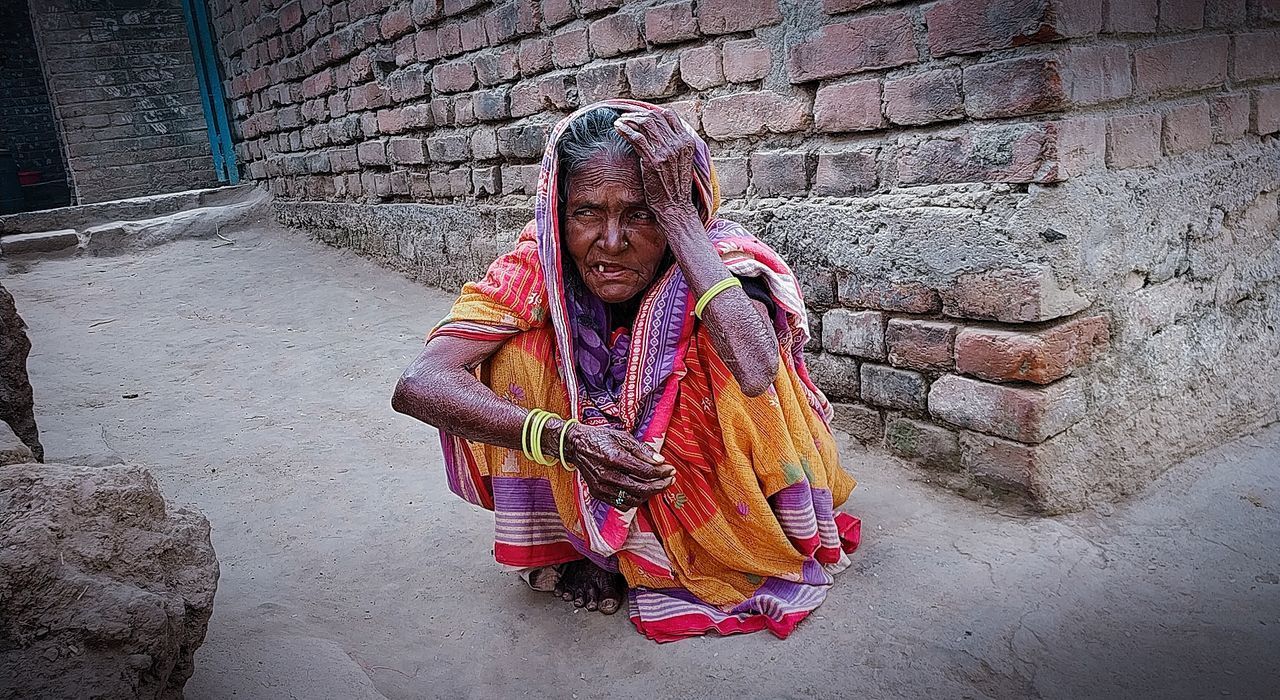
(254, 380)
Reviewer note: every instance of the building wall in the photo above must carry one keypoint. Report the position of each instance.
(1038, 237)
(26, 119)
(123, 84)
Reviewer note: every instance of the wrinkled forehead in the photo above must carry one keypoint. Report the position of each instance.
(605, 175)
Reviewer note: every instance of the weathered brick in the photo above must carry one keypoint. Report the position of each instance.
(396, 22)
(1040, 357)
(1132, 16)
(392, 121)
(484, 143)
(858, 333)
(775, 173)
(1025, 414)
(862, 422)
(848, 107)
(486, 180)
(569, 47)
(670, 23)
(753, 114)
(426, 45)
(1187, 128)
(1097, 74)
(837, 376)
(1181, 15)
(424, 12)
(919, 344)
(405, 151)
(889, 387)
(535, 56)
(589, 7)
(457, 7)
(1082, 145)
(557, 12)
(558, 91)
(1133, 140)
(453, 148)
(700, 67)
(491, 105)
(832, 7)
(1012, 295)
(615, 35)
(526, 99)
(651, 77)
(1180, 66)
(524, 141)
(453, 77)
(924, 98)
(1015, 87)
(732, 173)
(878, 292)
(844, 173)
(344, 160)
(372, 153)
(985, 153)
(975, 26)
(865, 43)
(924, 443)
(602, 82)
(1256, 55)
(496, 66)
(1230, 116)
(1266, 110)
(729, 16)
(1003, 465)
(1228, 13)
(746, 60)
(689, 111)
(407, 84)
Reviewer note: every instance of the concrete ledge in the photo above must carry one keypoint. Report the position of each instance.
(42, 242)
(84, 215)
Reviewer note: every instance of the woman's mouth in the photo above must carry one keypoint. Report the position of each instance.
(609, 271)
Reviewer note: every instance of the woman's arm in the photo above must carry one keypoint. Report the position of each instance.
(440, 389)
(740, 328)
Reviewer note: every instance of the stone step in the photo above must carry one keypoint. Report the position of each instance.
(13, 450)
(41, 242)
(85, 215)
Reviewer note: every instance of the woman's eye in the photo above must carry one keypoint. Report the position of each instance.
(642, 216)
(584, 212)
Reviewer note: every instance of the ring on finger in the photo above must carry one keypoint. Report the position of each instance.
(622, 496)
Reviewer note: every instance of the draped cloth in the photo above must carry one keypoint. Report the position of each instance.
(748, 537)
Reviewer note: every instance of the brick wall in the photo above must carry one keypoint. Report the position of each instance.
(26, 120)
(987, 201)
(123, 84)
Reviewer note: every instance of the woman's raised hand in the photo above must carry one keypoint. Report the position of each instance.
(616, 466)
(666, 151)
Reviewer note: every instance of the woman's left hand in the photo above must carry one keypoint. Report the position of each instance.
(666, 151)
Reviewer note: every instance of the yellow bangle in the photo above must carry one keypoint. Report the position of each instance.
(564, 429)
(524, 431)
(535, 437)
(711, 293)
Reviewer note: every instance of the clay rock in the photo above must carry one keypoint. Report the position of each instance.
(105, 592)
(13, 450)
(15, 386)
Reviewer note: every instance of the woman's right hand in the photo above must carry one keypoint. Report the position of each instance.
(617, 466)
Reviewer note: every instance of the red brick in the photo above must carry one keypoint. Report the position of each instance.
(865, 43)
(602, 82)
(652, 78)
(392, 121)
(473, 34)
(557, 12)
(746, 60)
(729, 16)
(858, 333)
(1181, 15)
(442, 111)
(1180, 66)
(672, 23)
(921, 345)
(700, 67)
(775, 173)
(372, 153)
(589, 7)
(396, 23)
(453, 148)
(1187, 128)
(1040, 357)
(1266, 110)
(985, 153)
(558, 91)
(1230, 116)
(426, 45)
(976, 26)
(688, 110)
(406, 151)
(924, 98)
(484, 143)
(367, 96)
(1004, 465)
(732, 173)
(453, 77)
(1025, 414)
(1082, 145)
(1227, 13)
(848, 107)
(753, 114)
(878, 292)
(1256, 55)
(888, 387)
(450, 38)
(535, 56)
(343, 160)
(496, 66)
(569, 47)
(407, 84)
(1133, 140)
(845, 173)
(457, 7)
(837, 376)
(1012, 295)
(290, 16)
(1132, 16)
(615, 35)
(491, 105)
(500, 24)
(1015, 87)
(486, 181)
(927, 444)
(1097, 74)
(424, 12)
(526, 99)
(524, 141)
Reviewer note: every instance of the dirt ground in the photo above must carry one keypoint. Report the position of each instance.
(254, 380)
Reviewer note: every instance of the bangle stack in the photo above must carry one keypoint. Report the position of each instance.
(712, 292)
(531, 437)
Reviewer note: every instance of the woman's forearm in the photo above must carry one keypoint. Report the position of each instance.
(740, 333)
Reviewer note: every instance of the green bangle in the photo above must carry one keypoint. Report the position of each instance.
(711, 293)
(564, 429)
(535, 437)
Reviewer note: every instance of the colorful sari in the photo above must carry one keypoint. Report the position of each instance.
(748, 537)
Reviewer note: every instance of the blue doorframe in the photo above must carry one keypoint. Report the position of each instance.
(212, 98)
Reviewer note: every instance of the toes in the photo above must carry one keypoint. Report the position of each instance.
(609, 606)
(593, 596)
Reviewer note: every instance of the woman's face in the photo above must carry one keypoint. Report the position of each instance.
(609, 230)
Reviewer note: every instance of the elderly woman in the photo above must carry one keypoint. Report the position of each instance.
(626, 390)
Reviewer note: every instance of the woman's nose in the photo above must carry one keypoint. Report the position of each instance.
(613, 240)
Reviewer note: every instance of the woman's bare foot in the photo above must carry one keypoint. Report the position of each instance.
(591, 587)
